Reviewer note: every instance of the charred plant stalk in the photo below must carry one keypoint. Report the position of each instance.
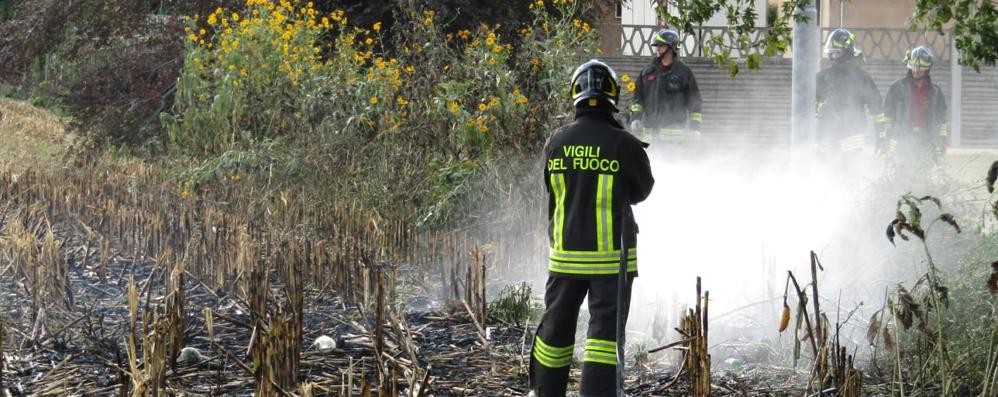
(814, 292)
(2, 358)
(802, 306)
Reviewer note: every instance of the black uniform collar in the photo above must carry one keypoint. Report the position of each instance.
(601, 114)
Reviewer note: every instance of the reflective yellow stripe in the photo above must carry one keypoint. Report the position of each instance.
(604, 213)
(591, 268)
(558, 229)
(670, 132)
(696, 116)
(550, 356)
(590, 262)
(943, 130)
(880, 118)
(590, 256)
(601, 351)
(601, 345)
(852, 142)
(636, 108)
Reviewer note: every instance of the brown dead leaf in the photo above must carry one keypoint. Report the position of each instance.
(871, 332)
(948, 218)
(933, 199)
(890, 231)
(785, 318)
(889, 342)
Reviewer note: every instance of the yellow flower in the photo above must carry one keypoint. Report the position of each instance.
(401, 101)
(625, 77)
(482, 106)
(452, 106)
(631, 87)
(483, 128)
(235, 17)
(585, 27)
(212, 20)
(409, 69)
(368, 41)
(373, 100)
(428, 21)
(377, 26)
(201, 31)
(577, 23)
(184, 194)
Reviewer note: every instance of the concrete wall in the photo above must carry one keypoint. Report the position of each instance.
(866, 13)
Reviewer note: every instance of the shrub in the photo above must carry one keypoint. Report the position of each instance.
(402, 125)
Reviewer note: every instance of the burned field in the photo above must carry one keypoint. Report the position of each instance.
(117, 281)
(109, 288)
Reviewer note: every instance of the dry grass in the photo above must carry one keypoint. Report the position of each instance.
(30, 137)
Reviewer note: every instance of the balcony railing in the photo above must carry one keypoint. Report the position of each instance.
(886, 44)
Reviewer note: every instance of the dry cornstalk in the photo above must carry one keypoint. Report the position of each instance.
(2, 358)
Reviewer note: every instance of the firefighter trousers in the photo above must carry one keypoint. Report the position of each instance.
(554, 340)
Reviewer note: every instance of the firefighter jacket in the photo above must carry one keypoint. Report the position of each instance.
(667, 97)
(594, 167)
(845, 93)
(898, 108)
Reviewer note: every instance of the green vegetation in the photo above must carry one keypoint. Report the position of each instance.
(411, 119)
(515, 305)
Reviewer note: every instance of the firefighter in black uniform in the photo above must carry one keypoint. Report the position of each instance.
(666, 101)
(845, 93)
(916, 112)
(593, 169)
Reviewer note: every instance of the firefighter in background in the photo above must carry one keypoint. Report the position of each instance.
(916, 112)
(666, 101)
(845, 93)
(593, 168)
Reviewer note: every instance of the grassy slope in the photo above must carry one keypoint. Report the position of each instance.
(30, 137)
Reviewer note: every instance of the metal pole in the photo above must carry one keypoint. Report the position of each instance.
(956, 95)
(806, 42)
(625, 223)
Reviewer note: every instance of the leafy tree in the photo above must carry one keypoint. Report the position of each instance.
(974, 23)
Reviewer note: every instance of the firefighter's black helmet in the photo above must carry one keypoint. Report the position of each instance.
(919, 58)
(594, 82)
(840, 41)
(666, 36)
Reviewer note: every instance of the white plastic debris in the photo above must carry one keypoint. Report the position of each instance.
(324, 343)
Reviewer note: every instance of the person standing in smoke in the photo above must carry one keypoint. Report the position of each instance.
(666, 101)
(594, 168)
(916, 112)
(845, 93)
